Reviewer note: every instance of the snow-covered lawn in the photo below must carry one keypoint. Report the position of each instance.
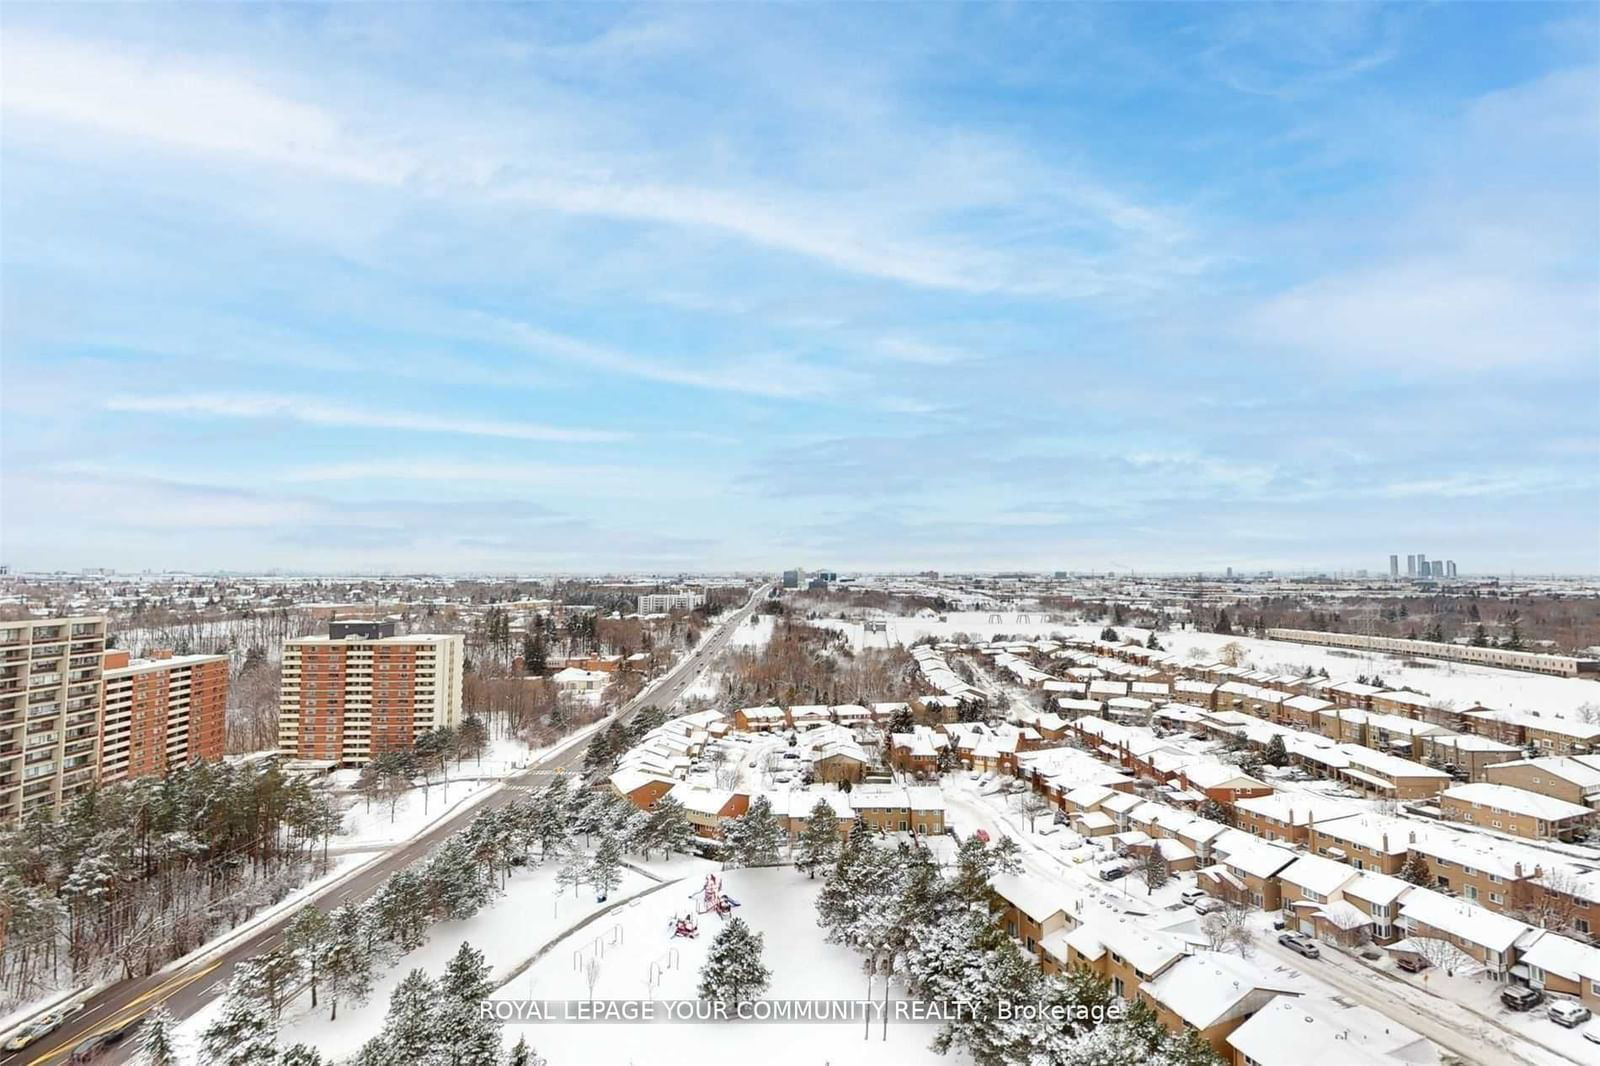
(509, 932)
(777, 902)
(754, 633)
(976, 624)
(375, 826)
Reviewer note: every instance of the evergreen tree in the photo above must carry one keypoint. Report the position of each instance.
(1223, 624)
(1480, 636)
(346, 961)
(901, 721)
(1153, 644)
(306, 936)
(754, 837)
(1109, 635)
(244, 1032)
(471, 1037)
(301, 1055)
(998, 971)
(1415, 869)
(605, 868)
(157, 1043)
(733, 972)
(669, 828)
(521, 1054)
(411, 1033)
(574, 868)
(1155, 868)
(819, 841)
(1276, 752)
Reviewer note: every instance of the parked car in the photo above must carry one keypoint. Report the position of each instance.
(1207, 904)
(91, 1048)
(1591, 1032)
(1300, 944)
(1568, 1013)
(1412, 963)
(1112, 873)
(1047, 829)
(1061, 818)
(1191, 896)
(1521, 997)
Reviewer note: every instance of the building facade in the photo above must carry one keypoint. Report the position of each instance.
(50, 703)
(161, 714)
(362, 691)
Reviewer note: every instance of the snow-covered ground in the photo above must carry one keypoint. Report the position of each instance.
(980, 625)
(754, 633)
(647, 962)
(509, 932)
(374, 827)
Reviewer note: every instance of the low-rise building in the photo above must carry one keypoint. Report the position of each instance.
(1575, 779)
(1213, 994)
(1318, 1031)
(1516, 811)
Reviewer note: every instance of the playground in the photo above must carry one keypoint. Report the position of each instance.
(639, 952)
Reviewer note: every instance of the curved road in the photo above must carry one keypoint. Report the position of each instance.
(185, 988)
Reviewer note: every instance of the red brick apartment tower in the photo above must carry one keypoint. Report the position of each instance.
(361, 691)
(161, 714)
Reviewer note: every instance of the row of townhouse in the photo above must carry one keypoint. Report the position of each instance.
(936, 671)
(1217, 686)
(971, 745)
(810, 716)
(1241, 1008)
(889, 808)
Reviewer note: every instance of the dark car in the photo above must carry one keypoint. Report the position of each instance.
(92, 1047)
(1111, 873)
(1521, 997)
(1412, 963)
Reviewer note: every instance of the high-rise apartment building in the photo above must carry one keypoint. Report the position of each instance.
(361, 691)
(161, 713)
(49, 711)
(1394, 566)
(1450, 568)
(1411, 566)
(1422, 567)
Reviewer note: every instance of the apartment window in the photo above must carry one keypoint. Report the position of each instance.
(1470, 892)
(1496, 898)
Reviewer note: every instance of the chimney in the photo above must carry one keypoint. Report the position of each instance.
(1386, 843)
(116, 659)
(161, 653)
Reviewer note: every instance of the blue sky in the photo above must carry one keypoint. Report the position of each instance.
(657, 288)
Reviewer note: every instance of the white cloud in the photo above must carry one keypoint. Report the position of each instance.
(314, 411)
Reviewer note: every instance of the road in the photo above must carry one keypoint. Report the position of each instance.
(187, 988)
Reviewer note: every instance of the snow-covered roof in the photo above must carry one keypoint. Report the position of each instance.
(1297, 808)
(1377, 888)
(1209, 986)
(1318, 1031)
(1466, 921)
(1564, 957)
(1260, 860)
(1317, 874)
(1149, 951)
(1517, 801)
(1033, 896)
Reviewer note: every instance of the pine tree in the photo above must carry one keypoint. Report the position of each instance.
(521, 1054)
(244, 1033)
(733, 972)
(346, 960)
(301, 1055)
(1156, 869)
(1415, 869)
(157, 1043)
(753, 838)
(306, 936)
(1152, 643)
(669, 828)
(997, 972)
(605, 868)
(1276, 752)
(1480, 636)
(410, 1029)
(1223, 625)
(819, 841)
(574, 868)
(471, 1037)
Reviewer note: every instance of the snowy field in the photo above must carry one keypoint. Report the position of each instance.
(754, 633)
(375, 827)
(1461, 683)
(509, 932)
(780, 904)
(981, 625)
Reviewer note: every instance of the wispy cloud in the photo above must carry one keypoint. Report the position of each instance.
(314, 411)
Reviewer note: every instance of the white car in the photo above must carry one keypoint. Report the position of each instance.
(1208, 904)
(1191, 896)
(1568, 1013)
(1591, 1032)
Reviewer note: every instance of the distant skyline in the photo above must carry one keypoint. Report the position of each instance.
(488, 288)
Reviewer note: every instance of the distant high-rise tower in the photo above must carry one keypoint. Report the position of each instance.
(1411, 566)
(1230, 573)
(1438, 568)
(1450, 568)
(1422, 567)
(1394, 566)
